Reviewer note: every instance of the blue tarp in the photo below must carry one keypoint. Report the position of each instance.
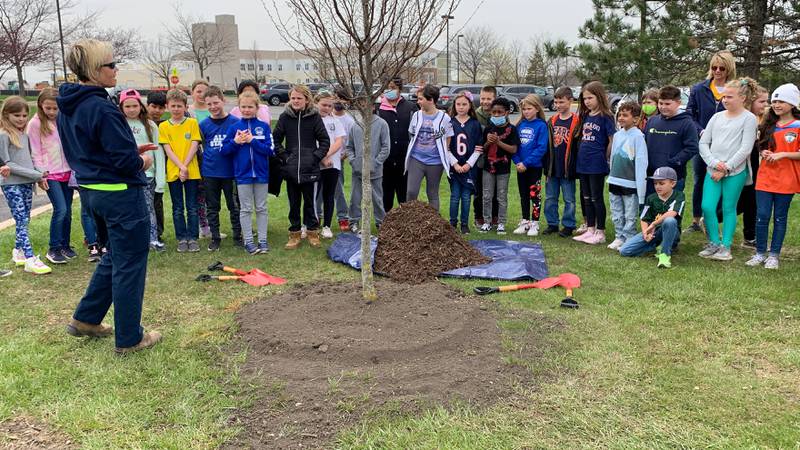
(511, 260)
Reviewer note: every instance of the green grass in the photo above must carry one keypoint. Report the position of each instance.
(703, 355)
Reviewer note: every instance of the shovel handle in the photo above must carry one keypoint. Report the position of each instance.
(228, 277)
(219, 266)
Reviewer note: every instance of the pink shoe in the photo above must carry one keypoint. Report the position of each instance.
(598, 237)
(584, 236)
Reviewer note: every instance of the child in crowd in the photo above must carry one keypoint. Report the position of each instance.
(660, 219)
(534, 138)
(747, 200)
(649, 107)
(17, 179)
(725, 148)
(500, 142)
(156, 106)
(592, 165)
(198, 108)
(484, 114)
(145, 132)
(249, 86)
(249, 142)
(466, 148)
(48, 157)
(340, 111)
(779, 173)
(218, 174)
(199, 111)
(180, 136)
(671, 136)
(560, 164)
(427, 155)
(628, 174)
(331, 165)
(380, 146)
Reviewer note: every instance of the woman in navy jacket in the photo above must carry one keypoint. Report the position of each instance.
(705, 100)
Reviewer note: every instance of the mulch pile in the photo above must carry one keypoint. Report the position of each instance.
(415, 244)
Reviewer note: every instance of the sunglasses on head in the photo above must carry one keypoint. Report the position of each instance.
(112, 65)
(718, 68)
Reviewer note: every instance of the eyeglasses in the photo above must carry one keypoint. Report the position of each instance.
(718, 68)
(112, 65)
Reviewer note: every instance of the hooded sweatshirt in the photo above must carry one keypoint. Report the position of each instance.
(379, 147)
(301, 140)
(671, 141)
(534, 141)
(46, 150)
(214, 132)
(629, 161)
(96, 138)
(251, 160)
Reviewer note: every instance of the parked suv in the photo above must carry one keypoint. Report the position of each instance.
(277, 93)
(520, 91)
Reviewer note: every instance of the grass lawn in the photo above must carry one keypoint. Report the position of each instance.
(704, 355)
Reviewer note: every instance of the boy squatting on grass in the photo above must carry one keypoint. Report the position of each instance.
(660, 219)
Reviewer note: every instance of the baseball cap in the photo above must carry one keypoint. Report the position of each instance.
(665, 173)
(128, 94)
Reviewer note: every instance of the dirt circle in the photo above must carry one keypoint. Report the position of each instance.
(324, 358)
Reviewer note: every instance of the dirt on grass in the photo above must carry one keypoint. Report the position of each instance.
(324, 360)
(27, 433)
(415, 244)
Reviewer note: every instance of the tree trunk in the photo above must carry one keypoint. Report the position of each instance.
(21, 87)
(755, 19)
(367, 281)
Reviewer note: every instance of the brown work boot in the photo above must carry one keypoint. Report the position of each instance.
(313, 237)
(79, 329)
(294, 240)
(148, 340)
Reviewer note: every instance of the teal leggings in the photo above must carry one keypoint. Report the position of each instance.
(729, 189)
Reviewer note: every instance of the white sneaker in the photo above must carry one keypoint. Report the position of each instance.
(756, 260)
(303, 233)
(501, 228)
(723, 254)
(18, 257)
(533, 230)
(708, 251)
(772, 262)
(327, 233)
(616, 244)
(485, 228)
(36, 266)
(523, 226)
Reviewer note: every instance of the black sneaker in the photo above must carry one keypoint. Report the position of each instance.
(213, 245)
(694, 227)
(94, 253)
(566, 232)
(69, 253)
(56, 257)
(464, 229)
(749, 243)
(550, 230)
(238, 242)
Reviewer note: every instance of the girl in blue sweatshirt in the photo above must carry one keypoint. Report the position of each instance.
(249, 141)
(534, 138)
(465, 147)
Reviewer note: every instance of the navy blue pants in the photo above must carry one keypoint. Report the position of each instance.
(119, 277)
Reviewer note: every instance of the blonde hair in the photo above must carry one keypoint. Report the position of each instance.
(305, 91)
(746, 87)
(46, 94)
(725, 59)
(87, 56)
(536, 102)
(245, 96)
(177, 95)
(323, 95)
(12, 105)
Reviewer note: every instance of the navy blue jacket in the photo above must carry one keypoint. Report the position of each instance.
(250, 161)
(97, 140)
(702, 104)
(214, 132)
(671, 142)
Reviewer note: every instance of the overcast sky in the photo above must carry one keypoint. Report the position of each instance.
(513, 19)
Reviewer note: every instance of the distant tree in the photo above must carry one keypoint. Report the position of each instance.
(204, 46)
(476, 45)
(256, 74)
(538, 63)
(159, 59)
(519, 62)
(497, 66)
(561, 62)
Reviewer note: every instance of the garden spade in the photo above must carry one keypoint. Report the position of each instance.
(269, 279)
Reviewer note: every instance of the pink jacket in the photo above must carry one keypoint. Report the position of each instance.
(262, 114)
(46, 151)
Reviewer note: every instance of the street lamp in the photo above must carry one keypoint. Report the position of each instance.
(458, 58)
(447, 18)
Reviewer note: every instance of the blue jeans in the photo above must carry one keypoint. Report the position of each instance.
(60, 195)
(120, 275)
(665, 235)
(565, 187)
(459, 192)
(186, 227)
(766, 203)
(624, 214)
(88, 223)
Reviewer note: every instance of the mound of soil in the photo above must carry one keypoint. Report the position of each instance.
(415, 244)
(323, 359)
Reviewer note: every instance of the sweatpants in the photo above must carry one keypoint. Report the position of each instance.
(728, 188)
(530, 189)
(301, 197)
(593, 202)
(433, 176)
(253, 197)
(20, 202)
(215, 189)
(495, 185)
(377, 197)
(477, 204)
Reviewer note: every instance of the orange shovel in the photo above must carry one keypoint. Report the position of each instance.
(254, 273)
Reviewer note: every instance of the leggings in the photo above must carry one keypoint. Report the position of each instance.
(329, 179)
(20, 202)
(728, 188)
(594, 206)
(530, 188)
(432, 174)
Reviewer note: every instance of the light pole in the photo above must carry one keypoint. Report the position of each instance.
(447, 18)
(61, 39)
(458, 58)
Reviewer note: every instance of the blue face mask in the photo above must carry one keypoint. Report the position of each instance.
(498, 121)
(390, 94)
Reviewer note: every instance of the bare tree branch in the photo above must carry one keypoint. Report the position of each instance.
(158, 58)
(203, 45)
(476, 45)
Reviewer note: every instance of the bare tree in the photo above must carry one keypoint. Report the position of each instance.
(203, 45)
(256, 74)
(158, 58)
(496, 66)
(365, 42)
(126, 42)
(476, 45)
(519, 62)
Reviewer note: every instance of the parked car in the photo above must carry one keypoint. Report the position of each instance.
(520, 91)
(277, 93)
